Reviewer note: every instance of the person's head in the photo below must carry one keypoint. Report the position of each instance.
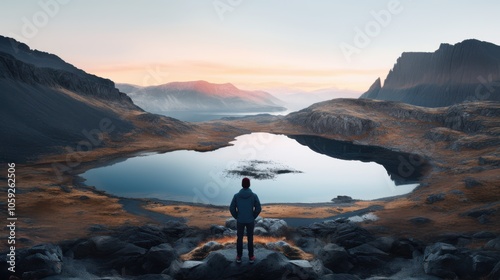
(245, 183)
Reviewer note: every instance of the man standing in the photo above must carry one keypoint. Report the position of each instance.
(245, 207)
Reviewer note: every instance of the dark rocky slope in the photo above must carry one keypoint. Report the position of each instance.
(467, 71)
(47, 104)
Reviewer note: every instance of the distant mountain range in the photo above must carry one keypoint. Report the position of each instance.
(200, 96)
(47, 104)
(467, 71)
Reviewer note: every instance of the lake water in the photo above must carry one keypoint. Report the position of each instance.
(287, 171)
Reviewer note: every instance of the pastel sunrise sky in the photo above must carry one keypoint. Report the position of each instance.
(254, 44)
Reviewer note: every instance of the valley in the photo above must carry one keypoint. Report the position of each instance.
(60, 122)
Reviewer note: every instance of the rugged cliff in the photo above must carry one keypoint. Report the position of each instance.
(49, 106)
(467, 71)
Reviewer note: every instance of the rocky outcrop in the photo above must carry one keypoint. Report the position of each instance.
(356, 117)
(47, 104)
(447, 261)
(471, 125)
(467, 71)
(269, 265)
(338, 250)
(322, 122)
(19, 62)
(40, 261)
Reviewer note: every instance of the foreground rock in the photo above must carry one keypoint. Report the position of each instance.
(269, 265)
(447, 261)
(39, 261)
(325, 250)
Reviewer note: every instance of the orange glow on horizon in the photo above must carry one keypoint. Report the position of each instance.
(247, 77)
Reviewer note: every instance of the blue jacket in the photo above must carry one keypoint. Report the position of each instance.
(245, 206)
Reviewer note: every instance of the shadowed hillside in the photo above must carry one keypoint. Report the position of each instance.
(467, 71)
(47, 104)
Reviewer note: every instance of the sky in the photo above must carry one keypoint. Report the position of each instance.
(254, 44)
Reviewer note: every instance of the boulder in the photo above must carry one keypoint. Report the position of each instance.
(493, 244)
(385, 243)
(484, 219)
(446, 261)
(495, 272)
(220, 231)
(39, 261)
(404, 248)
(367, 250)
(472, 183)
(278, 227)
(309, 244)
(367, 256)
(159, 258)
(483, 263)
(260, 231)
(145, 236)
(420, 221)
(484, 235)
(305, 269)
(274, 227)
(128, 260)
(184, 270)
(457, 192)
(342, 199)
(476, 213)
(186, 244)
(349, 235)
(221, 265)
(457, 239)
(102, 246)
(231, 223)
(148, 236)
(435, 198)
(111, 253)
(340, 231)
(335, 258)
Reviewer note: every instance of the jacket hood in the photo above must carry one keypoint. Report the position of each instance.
(245, 193)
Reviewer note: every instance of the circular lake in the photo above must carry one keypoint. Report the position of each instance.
(282, 170)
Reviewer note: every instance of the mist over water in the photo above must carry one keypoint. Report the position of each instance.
(298, 174)
(197, 116)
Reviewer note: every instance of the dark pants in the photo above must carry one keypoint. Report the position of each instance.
(239, 240)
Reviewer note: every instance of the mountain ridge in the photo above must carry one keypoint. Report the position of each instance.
(48, 105)
(200, 96)
(452, 74)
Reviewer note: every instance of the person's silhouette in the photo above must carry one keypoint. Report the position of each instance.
(245, 207)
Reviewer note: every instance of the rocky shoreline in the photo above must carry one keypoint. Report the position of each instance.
(331, 249)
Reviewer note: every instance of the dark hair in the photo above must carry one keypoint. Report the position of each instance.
(245, 183)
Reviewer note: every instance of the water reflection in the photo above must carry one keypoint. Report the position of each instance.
(322, 170)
